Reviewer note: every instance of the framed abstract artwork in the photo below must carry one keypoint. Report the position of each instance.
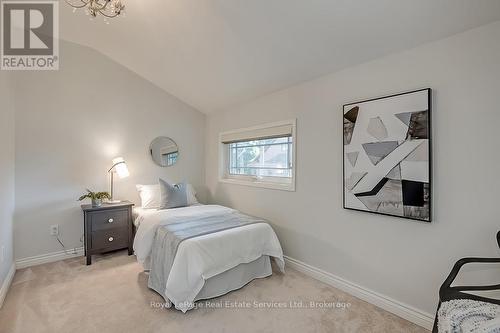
(387, 155)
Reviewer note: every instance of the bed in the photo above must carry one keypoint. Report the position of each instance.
(209, 264)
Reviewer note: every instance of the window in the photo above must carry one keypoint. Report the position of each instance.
(169, 158)
(260, 156)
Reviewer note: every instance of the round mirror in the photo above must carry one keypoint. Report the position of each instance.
(164, 151)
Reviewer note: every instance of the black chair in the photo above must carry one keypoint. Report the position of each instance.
(447, 292)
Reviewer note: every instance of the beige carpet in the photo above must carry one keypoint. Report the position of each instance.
(112, 296)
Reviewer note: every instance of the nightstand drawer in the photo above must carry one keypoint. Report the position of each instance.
(105, 220)
(111, 239)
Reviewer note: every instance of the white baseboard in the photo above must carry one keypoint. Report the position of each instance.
(48, 257)
(6, 284)
(423, 319)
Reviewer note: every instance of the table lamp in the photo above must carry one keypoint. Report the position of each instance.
(120, 168)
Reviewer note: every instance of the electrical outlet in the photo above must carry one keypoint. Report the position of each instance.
(54, 230)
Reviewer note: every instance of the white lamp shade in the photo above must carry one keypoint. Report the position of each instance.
(120, 167)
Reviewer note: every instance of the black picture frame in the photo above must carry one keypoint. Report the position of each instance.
(430, 157)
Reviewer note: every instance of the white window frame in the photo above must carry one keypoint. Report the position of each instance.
(275, 183)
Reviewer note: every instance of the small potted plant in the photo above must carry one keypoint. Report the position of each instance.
(96, 197)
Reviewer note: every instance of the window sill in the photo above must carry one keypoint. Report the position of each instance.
(268, 185)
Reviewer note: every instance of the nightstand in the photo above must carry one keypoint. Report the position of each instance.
(108, 228)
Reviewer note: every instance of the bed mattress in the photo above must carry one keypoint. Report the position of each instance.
(210, 265)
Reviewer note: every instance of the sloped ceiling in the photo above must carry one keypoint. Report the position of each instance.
(216, 53)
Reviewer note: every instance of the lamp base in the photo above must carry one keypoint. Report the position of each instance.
(114, 201)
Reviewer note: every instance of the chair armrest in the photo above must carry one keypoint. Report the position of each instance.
(456, 269)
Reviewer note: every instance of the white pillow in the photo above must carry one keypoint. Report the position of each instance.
(191, 195)
(150, 195)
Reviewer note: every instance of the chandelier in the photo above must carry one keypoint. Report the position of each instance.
(107, 8)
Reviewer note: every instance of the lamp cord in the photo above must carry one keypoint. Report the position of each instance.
(64, 247)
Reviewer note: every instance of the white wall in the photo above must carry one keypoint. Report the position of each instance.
(398, 258)
(6, 173)
(71, 123)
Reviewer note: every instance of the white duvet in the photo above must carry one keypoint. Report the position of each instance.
(203, 257)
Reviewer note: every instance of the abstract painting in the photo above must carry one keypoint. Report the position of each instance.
(387, 155)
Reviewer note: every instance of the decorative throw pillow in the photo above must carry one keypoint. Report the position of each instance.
(173, 196)
(150, 195)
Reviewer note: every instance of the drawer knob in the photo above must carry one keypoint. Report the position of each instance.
(110, 239)
(111, 220)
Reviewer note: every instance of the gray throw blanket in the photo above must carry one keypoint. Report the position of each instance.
(468, 316)
(168, 238)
